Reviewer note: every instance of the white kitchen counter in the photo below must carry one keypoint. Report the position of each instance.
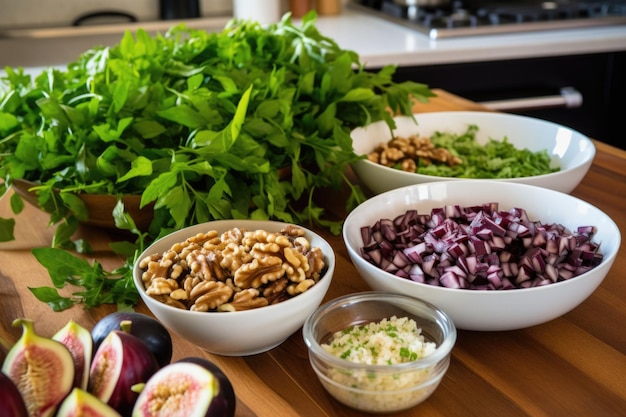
(378, 42)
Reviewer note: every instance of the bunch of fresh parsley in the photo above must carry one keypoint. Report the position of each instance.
(202, 125)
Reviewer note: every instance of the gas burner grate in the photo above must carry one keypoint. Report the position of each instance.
(431, 17)
(483, 17)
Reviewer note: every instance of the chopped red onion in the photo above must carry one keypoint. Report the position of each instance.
(479, 247)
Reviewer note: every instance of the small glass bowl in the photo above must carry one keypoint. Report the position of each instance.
(379, 388)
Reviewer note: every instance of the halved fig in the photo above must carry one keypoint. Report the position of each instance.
(121, 361)
(145, 327)
(12, 404)
(193, 387)
(41, 368)
(78, 340)
(81, 403)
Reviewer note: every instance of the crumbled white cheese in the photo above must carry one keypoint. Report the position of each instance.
(390, 341)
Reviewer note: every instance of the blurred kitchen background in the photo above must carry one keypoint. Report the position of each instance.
(51, 13)
(560, 60)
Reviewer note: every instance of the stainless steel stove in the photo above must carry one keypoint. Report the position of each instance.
(455, 18)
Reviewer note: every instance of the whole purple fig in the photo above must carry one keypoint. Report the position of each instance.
(145, 327)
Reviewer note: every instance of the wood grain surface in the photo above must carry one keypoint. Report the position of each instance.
(572, 366)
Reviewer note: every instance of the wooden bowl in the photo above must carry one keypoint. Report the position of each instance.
(99, 206)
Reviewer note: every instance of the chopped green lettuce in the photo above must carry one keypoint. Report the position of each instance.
(493, 159)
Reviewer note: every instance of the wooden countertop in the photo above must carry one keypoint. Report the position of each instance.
(572, 366)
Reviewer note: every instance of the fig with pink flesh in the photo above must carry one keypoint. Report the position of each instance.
(12, 404)
(121, 361)
(78, 341)
(41, 368)
(81, 403)
(191, 387)
(145, 327)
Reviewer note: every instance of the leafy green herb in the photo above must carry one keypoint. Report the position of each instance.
(99, 286)
(94, 285)
(202, 125)
(494, 159)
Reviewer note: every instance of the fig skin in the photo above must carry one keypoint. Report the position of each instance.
(189, 387)
(42, 369)
(225, 402)
(78, 341)
(120, 362)
(147, 328)
(12, 404)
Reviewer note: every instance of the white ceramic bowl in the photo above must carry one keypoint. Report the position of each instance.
(488, 309)
(572, 151)
(387, 388)
(238, 333)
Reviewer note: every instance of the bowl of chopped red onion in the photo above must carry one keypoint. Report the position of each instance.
(461, 145)
(492, 255)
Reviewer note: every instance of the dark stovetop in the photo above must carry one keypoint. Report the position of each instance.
(454, 18)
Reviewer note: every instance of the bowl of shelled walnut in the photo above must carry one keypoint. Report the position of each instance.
(235, 287)
(461, 145)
